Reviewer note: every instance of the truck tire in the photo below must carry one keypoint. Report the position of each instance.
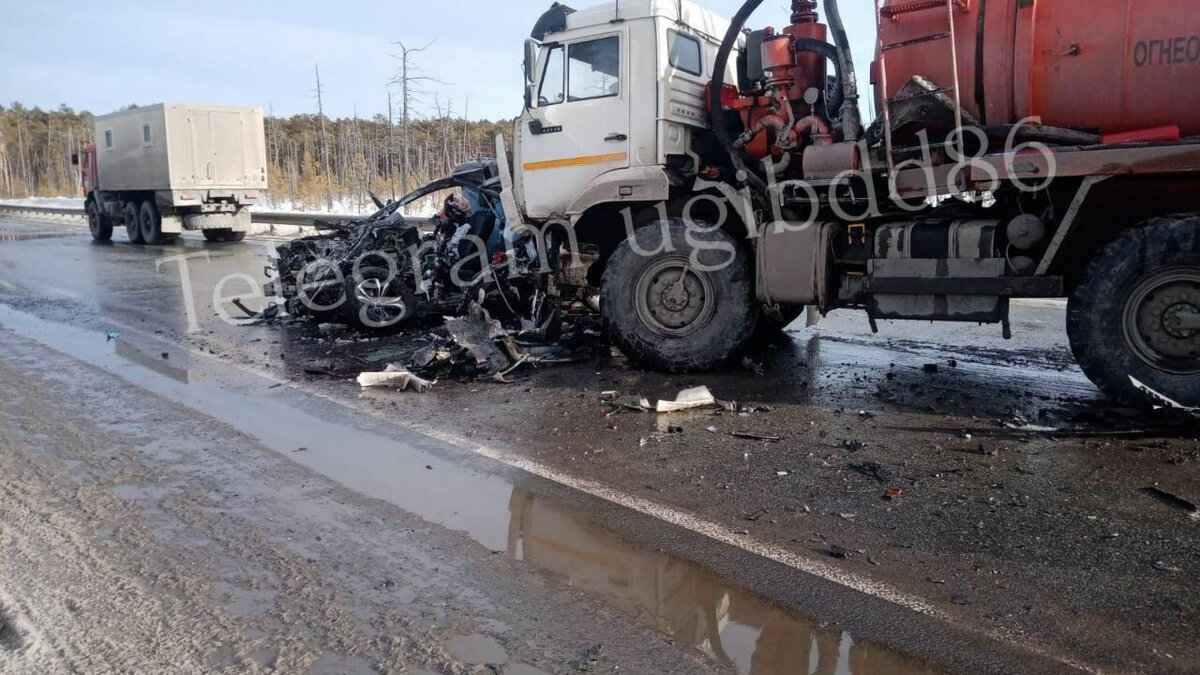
(378, 299)
(150, 224)
(679, 298)
(133, 228)
(98, 224)
(223, 234)
(1124, 319)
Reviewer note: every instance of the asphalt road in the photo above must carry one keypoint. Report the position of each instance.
(188, 493)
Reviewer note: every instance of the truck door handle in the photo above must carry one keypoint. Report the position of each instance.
(616, 138)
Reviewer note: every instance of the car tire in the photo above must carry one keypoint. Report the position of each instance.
(133, 227)
(98, 224)
(679, 297)
(1124, 318)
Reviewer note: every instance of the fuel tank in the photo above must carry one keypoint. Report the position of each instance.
(1108, 65)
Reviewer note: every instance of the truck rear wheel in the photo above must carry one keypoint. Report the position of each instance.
(1136, 310)
(133, 228)
(150, 224)
(99, 225)
(679, 297)
(223, 234)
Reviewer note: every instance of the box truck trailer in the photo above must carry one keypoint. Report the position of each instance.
(162, 169)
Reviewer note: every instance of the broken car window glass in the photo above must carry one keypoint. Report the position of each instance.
(594, 69)
(551, 90)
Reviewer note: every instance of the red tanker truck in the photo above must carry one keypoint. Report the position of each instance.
(1022, 149)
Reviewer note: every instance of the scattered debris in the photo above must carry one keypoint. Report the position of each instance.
(932, 368)
(1173, 500)
(588, 659)
(853, 446)
(395, 377)
(755, 516)
(872, 470)
(893, 494)
(688, 399)
(838, 552)
(756, 437)
(1164, 567)
(113, 335)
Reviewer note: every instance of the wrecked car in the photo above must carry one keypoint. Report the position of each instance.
(384, 272)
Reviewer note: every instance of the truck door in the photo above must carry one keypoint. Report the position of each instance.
(577, 127)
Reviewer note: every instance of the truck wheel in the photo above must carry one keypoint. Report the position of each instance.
(378, 299)
(678, 298)
(133, 227)
(99, 225)
(216, 235)
(230, 235)
(150, 224)
(1134, 314)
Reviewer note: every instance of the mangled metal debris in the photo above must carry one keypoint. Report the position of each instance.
(508, 298)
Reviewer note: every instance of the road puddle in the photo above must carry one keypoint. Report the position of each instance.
(669, 594)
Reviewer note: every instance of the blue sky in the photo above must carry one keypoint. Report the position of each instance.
(102, 56)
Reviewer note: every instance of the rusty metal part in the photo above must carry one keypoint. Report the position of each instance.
(830, 160)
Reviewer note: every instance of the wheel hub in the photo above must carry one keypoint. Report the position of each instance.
(674, 300)
(380, 306)
(1160, 320)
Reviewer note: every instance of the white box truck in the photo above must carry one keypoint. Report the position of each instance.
(162, 169)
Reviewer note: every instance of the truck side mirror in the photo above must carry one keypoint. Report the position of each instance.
(531, 53)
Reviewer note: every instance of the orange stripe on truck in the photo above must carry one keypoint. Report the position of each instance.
(576, 161)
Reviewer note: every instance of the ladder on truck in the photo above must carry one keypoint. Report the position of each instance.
(885, 12)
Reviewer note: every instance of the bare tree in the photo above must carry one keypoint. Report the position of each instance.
(323, 143)
(408, 77)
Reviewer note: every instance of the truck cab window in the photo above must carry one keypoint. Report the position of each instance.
(147, 137)
(594, 69)
(108, 139)
(553, 79)
(685, 53)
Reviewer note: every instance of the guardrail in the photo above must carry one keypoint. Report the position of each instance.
(270, 219)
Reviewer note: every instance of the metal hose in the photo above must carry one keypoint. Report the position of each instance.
(830, 52)
(852, 128)
(716, 104)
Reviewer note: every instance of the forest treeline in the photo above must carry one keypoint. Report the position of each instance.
(315, 162)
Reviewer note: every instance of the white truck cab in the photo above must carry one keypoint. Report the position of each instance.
(612, 93)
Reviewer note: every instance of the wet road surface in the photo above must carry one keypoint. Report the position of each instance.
(1031, 549)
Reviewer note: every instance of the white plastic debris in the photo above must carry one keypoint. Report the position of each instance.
(688, 399)
(395, 378)
(1160, 400)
